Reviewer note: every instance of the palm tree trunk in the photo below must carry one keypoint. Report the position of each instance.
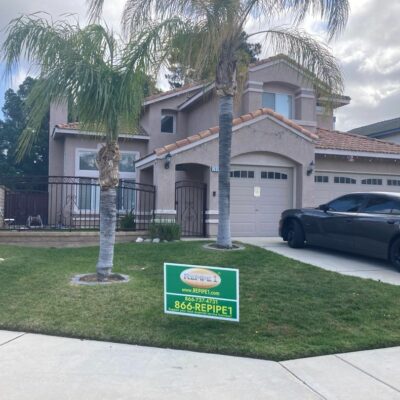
(225, 143)
(108, 164)
(108, 215)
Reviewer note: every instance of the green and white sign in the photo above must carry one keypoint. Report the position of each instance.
(204, 292)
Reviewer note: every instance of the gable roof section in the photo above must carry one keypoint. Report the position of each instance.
(326, 142)
(351, 142)
(337, 99)
(172, 93)
(236, 124)
(74, 127)
(379, 128)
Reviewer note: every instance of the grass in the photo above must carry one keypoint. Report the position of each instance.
(288, 309)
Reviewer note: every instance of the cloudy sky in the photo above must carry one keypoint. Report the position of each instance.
(368, 52)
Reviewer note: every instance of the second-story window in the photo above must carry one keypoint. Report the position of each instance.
(280, 102)
(168, 122)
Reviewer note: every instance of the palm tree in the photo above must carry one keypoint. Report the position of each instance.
(101, 76)
(216, 26)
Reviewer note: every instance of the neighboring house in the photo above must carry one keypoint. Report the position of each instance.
(386, 130)
(285, 152)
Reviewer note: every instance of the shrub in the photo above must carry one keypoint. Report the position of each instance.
(165, 231)
(128, 222)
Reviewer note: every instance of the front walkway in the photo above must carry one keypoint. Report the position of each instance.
(346, 264)
(40, 367)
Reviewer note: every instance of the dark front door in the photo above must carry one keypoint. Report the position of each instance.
(190, 204)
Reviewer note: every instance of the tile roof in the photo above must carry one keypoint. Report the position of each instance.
(237, 121)
(335, 140)
(381, 127)
(323, 139)
(75, 126)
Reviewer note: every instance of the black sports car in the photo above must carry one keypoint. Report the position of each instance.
(364, 223)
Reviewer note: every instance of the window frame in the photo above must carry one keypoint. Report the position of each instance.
(292, 110)
(165, 113)
(82, 173)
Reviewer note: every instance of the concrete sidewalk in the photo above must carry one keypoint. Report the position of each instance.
(37, 367)
(343, 263)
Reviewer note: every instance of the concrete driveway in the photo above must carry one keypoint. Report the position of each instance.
(346, 264)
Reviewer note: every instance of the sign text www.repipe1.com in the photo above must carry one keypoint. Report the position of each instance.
(204, 292)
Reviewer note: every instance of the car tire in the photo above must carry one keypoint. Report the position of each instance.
(295, 235)
(394, 254)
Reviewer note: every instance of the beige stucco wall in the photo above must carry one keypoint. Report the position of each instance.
(359, 165)
(151, 121)
(262, 141)
(58, 115)
(73, 143)
(394, 138)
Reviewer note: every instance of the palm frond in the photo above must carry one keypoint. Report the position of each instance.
(87, 65)
(334, 12)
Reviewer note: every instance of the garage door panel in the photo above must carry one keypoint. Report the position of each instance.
(259, 216)
(329, 188)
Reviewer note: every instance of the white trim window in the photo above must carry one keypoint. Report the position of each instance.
(282, 103)
(88, 196)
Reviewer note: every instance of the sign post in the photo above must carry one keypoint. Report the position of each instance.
(203, 292)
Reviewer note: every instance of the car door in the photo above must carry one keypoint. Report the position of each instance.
(376, 224)
(335, 225)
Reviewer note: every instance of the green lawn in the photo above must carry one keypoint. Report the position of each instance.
(288, 309)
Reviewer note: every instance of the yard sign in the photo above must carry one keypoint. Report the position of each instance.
(204, 292)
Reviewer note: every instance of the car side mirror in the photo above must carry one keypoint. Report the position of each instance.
(324, 207)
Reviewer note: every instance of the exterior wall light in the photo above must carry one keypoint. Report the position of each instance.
(167, 162)
(310, 168)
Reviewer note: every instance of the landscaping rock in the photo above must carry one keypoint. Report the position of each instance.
(2, 259)
(156, 240)
(147, 240)
(139, 240)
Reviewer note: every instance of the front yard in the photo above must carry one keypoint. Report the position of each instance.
(288, 309)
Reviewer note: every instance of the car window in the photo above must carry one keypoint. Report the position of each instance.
(396, 207)
(381, 205)
(350, 203)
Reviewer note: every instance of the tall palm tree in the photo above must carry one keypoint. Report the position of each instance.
(101, 76)
(218, 24)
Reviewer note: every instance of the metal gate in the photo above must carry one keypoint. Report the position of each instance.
(19, 206)
(190, 203)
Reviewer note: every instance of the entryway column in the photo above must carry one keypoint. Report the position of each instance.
(164, 180)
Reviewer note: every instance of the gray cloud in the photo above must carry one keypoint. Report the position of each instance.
(368, 50)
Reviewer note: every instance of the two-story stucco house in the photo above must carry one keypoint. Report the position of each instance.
(285, 152)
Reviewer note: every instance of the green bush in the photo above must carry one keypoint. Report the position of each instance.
(128, 222)
(165, 231)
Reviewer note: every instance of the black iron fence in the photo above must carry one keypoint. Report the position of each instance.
(72, 203)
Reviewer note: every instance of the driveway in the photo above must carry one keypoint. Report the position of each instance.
(346, 264)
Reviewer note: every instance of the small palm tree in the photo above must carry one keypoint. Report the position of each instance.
(216, 27)
(102, 77)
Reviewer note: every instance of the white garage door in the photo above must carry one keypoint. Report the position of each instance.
(330, 185)
(258, 197)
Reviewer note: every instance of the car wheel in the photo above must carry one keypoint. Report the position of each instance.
(295, 235)
(394, 254)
